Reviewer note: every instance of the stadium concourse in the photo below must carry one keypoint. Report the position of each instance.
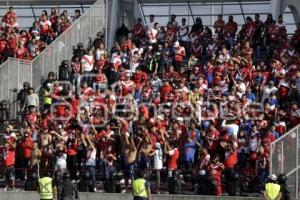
(195, 109)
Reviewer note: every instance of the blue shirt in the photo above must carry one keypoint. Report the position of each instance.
(189, 151)
(198, 136)
(251, 96)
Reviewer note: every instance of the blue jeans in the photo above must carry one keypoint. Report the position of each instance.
(87, 77)
(92, 170)
(262, 174)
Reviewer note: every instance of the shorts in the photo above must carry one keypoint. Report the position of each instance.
(10, 173)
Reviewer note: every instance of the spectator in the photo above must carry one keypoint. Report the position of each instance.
(32, 100)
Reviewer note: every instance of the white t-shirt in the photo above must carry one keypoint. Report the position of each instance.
(183, 33)
(152, 35)
(100, 52)
(61, 162)
(91, 157)
(158, 159)
(87, 63)
(267, 91)
(150, 25)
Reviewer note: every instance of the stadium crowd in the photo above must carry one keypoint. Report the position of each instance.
(169, 101)
(26, 44)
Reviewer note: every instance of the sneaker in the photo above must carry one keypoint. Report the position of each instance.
(6, 188)
(95, 189)
(123, 191)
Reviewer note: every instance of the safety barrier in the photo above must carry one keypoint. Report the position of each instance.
(14, 72)
(103, 196)
(284, 159)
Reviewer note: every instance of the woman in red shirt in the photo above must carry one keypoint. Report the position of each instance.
(54, 19)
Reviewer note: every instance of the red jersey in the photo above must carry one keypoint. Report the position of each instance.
(267, 140)
(45, 27)
(140, 77)
(27, 146)
(127, 87)
(249, 29)
(173, 159)
(100, 78)
(166, 89)
(8, 15)
(138, 30)
(54, 20)
(72, 148)
(20, 52)
(231, 160)
(215, 173)
(10, 157)
(230, 28)
(171, 36)
(64, 26)
(263, 161)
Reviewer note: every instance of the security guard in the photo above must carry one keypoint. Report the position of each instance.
(272, 189)
(141, 187)
(282, 178)
(68, 189)
(46, 187)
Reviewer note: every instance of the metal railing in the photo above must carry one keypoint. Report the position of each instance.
(14, 72)
(284, 159)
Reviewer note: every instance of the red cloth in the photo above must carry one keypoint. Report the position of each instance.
(172, 162)
(10, 158)
(231, 160)
(27, 146)
(72, 149)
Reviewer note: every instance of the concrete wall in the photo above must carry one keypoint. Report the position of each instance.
(101, 196)
(278, 7)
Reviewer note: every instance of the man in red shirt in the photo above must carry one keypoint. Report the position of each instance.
(230, 29)
(231, 160)
(219, 25)
(72, 145)
(138, 32)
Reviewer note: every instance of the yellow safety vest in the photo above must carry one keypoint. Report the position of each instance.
(272, 190)
(47, 97)
(139, 188)
(45, 185)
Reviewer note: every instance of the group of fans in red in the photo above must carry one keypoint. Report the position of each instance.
(26, 44)
(169, 101)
